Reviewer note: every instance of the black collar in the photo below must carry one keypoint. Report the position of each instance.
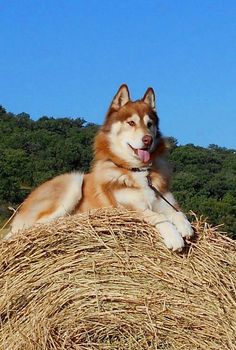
(137, 170)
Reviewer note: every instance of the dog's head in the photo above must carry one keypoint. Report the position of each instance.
(130, 133)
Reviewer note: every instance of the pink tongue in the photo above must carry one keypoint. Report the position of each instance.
(143, 155)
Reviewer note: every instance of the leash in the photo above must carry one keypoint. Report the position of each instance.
(150, 184)
(158, 193)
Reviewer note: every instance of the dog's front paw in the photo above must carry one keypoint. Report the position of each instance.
(183, 225)
(171, 236)
(175, 243)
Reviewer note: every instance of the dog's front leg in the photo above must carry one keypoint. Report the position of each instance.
(170, 235)
(177, 218)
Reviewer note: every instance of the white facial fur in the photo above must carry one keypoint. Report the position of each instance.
(122, 135)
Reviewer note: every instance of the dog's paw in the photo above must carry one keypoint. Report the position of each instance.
(183, 225)
(171, 236)
(176, 242)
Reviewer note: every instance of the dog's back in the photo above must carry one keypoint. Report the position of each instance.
(54, 198)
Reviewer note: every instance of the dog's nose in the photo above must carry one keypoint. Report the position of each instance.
(147, 140)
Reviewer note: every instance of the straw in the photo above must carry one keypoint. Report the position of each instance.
(105, 280)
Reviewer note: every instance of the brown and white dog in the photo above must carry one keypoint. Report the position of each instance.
(128, 154)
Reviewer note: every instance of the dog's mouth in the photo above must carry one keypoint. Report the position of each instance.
(143, 153)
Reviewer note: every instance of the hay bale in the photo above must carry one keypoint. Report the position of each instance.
(105, 280)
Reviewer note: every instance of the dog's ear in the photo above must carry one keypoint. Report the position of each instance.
(149, 98)
(121, 98)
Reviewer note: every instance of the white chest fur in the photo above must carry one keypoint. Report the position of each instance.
(138, 198)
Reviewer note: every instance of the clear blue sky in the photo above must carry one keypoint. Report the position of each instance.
(68, 58)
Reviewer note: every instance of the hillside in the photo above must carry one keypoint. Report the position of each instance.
(204, 179)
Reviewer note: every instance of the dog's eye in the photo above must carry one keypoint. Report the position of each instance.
(149, 124)
(131, 123)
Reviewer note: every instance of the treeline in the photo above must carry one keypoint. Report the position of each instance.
(33, 151)
(205, 181)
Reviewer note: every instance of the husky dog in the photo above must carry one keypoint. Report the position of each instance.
(128, 171)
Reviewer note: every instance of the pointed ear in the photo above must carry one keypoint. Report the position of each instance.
(121, 97)
(149, 98)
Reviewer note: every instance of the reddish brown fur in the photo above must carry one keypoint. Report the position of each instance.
(103, 155)
(138, 107)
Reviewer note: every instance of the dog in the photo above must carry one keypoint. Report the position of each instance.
(129, 170)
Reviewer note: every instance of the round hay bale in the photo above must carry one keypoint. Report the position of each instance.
(105, 280)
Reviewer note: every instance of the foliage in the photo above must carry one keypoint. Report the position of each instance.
(33, 151)
(205, 181)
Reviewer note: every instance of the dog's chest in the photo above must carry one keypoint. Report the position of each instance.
(141, 196)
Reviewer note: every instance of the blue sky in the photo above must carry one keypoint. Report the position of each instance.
(68, 58)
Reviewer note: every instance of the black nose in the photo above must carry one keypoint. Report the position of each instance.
(147, 140)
